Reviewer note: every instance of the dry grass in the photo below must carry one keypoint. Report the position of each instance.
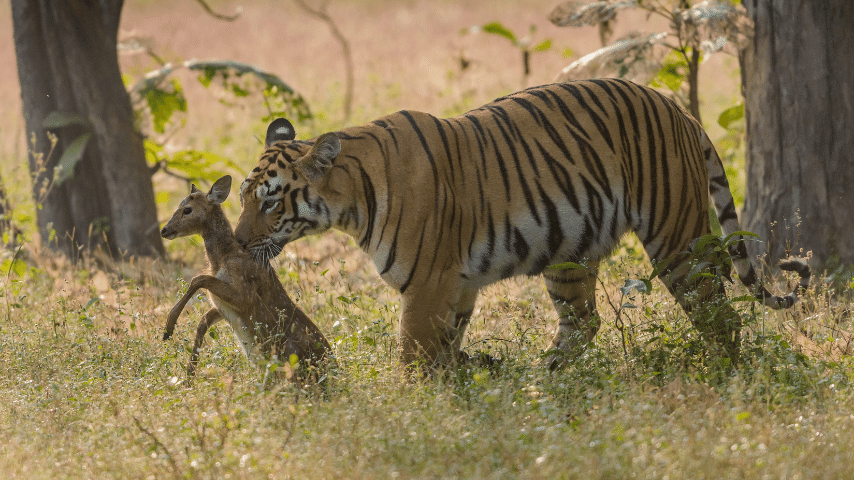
(87, 389)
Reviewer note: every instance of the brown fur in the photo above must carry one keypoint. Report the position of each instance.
(246, 292)
(552, 174)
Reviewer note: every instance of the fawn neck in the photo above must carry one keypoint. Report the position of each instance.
(219, 238)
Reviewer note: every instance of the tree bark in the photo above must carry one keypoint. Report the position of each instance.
(67, 61)
(798, 79)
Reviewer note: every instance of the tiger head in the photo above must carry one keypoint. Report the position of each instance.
(282, 199)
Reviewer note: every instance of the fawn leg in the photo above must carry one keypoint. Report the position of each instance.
(217, 287)
(211, 317)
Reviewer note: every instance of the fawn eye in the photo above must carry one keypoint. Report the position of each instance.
(187, 211)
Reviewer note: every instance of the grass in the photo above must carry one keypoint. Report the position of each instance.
(88, 389)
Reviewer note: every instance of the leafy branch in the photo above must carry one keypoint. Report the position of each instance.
(279, 97)
(162, 97)
(704, 28)
(525, 45)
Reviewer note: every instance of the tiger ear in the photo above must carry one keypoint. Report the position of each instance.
(280, 129)
(318, 160)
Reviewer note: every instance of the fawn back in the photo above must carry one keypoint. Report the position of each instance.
(245, 292)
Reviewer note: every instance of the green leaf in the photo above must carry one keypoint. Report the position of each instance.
(674, 71)
(239, 91)
(207, 76)
(544, 45)
(731, 114)
(744, 298)
(700, 245)
(632, 284)
(18, 266)
(647, 283)
(91, 301)
(274, 87)
(152, 151)
(163, 103)
(497, 28)
(70, 156)
(734, 237)
(199, 165)
(57, 119)
(162, 197)
(565, 266)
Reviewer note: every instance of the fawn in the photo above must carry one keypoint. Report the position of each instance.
(246, 292)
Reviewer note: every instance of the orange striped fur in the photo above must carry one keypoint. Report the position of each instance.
(550, 174)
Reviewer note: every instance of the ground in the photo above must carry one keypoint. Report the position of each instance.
(88, 389)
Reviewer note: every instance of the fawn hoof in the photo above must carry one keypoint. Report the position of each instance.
(479, 359)
(555, 359)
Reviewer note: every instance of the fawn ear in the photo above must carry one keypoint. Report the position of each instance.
(279, 130)
(318, 160)
(219, 190)
(194, 188)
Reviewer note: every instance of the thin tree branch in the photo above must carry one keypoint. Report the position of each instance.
(159, 445)
(321, 14)
(162, 166)
(220, 16)
(693, 84)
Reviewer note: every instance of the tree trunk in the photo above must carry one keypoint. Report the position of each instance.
(798, 79)
(67, 62)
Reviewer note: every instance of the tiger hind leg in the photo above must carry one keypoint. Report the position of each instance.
(703, 297)
(573, 293)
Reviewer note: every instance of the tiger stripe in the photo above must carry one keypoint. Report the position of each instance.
(551, 174)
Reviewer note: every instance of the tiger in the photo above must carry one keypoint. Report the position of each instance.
(548, 175)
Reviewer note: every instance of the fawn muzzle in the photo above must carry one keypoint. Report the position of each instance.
(169, 233)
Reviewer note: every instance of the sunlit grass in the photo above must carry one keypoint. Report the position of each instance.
(88, 389)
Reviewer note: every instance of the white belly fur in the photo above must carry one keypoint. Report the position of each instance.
(241, 333)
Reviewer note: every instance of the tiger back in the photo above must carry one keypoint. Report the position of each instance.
(551, 174)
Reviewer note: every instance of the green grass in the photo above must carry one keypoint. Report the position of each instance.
(90, 391)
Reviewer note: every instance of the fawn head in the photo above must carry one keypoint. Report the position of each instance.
(196, 210)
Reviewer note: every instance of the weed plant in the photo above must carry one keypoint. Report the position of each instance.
(89, 390)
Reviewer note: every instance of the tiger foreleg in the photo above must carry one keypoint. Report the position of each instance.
(573, 293)
(432, 325)
(463, 313)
